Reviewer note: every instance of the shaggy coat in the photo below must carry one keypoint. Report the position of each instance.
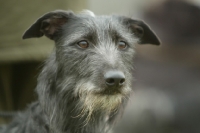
(73, 96)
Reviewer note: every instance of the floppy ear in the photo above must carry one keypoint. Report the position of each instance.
(48, 24)
(142, 31)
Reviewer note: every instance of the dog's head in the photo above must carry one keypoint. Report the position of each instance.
(94, 54)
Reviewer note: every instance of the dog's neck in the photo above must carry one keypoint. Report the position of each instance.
(68, 119)
(70, 122)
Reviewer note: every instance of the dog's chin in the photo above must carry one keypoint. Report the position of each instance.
(94, 99)
(104, 103)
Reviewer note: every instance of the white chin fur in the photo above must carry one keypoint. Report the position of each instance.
(91, 101)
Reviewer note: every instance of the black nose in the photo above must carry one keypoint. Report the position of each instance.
(114, 78)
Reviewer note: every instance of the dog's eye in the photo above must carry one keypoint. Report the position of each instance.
(83, 44)
(122, 45)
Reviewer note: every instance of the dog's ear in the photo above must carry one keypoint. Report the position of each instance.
(48, 24)
(142, 31)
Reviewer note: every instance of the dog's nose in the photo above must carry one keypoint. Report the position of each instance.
(114, 78)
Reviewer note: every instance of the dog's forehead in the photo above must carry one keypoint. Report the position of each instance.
(103, 26)
(88, 20)
(102, 22)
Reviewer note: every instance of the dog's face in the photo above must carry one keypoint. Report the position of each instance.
(94, 54)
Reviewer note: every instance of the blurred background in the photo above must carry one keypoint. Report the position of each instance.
(166, 95)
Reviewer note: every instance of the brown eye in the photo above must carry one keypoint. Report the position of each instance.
(83, 44)
(122, 45)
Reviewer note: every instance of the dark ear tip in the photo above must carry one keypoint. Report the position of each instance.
(24, 36)
(158, 42)
(28, 35)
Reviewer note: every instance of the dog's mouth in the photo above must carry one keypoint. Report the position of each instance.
(111, 91)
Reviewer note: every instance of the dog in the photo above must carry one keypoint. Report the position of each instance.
(86, 81)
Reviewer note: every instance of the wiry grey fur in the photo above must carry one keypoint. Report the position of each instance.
(71, 87)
